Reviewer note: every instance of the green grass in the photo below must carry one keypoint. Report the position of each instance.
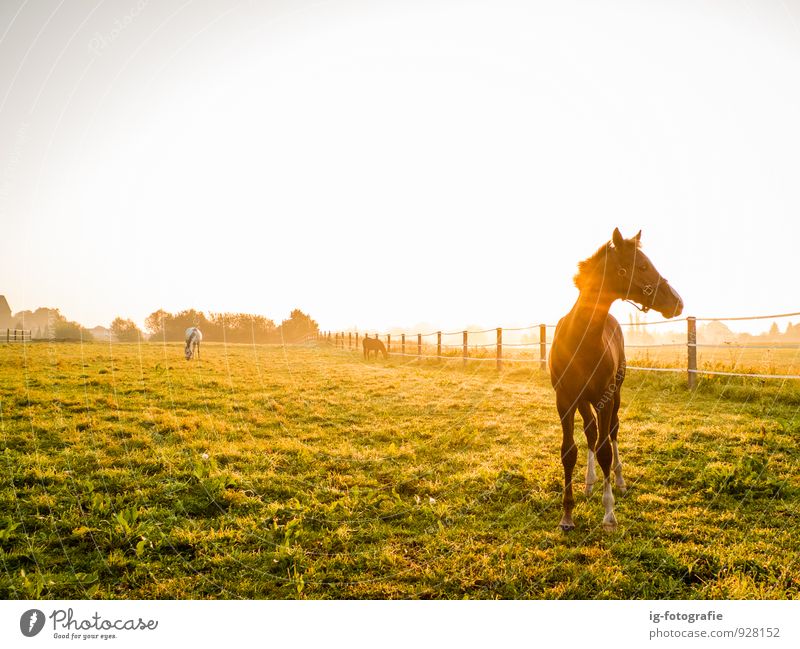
(329, 477)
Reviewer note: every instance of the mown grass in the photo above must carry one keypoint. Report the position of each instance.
(270, 472)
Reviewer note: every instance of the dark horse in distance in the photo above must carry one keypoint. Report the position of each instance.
(373, 345)
(587, 359)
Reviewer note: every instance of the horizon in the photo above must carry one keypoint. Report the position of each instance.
(754, 324)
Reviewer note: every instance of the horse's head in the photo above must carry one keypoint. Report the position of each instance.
(188, 352)
(634, 277)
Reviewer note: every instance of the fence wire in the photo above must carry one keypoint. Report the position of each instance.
(414, 340)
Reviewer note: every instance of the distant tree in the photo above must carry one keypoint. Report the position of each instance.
(126, 331)
(262, 329)
(774, 332)
(43, 319)
(298, 327)
(68, 330)
(154, 323)
(714, 333)
(230, 327)
(792, 332)
(182, 321)
(163, 325)
(47, 323)
(241, 328)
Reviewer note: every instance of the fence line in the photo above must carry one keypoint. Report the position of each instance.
(776, 316)
(351, 341)
(18, 335)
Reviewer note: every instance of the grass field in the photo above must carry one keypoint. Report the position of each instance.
(270, 472)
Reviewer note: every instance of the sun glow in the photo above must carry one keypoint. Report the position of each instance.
(377, 164)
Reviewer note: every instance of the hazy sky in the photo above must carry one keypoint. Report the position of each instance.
(384, 163)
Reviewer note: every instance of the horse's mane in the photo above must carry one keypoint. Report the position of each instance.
(590, 266)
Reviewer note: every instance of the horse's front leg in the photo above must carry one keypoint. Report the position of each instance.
(604, 457)
(590, 430)
(569, 455)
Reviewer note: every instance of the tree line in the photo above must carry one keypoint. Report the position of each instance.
(45, 322)
(162, 326)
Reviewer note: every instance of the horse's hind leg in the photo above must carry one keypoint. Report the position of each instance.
(590, 430)
(619, 481)
(569, 455)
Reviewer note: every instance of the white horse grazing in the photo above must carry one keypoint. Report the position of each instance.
(193, 338)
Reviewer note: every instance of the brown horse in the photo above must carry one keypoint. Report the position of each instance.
(587, 359)
(373, 345)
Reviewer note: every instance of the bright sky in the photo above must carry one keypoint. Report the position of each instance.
(382, 163)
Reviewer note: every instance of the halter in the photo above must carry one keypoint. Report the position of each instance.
(647, 289)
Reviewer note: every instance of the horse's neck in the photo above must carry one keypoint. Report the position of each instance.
(590, 313)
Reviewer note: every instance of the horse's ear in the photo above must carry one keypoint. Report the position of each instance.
(617, 238)
(638, 237)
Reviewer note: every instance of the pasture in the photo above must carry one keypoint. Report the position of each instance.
(285, 472)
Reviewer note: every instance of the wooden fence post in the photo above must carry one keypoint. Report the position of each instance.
(388, 343)
(439, 344)
(402, 344)
(419, 347)
(691, 348)
(499, 348)
(464, 349)
(543, 346)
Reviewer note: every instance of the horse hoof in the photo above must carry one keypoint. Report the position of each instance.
(567, 527)
(610, 523)
(622, 489)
